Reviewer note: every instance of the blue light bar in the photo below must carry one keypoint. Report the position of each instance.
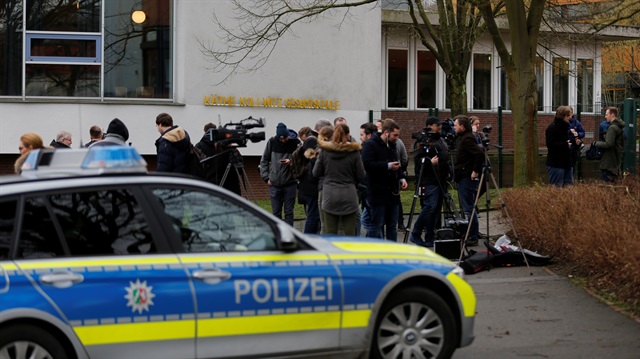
(113, 157)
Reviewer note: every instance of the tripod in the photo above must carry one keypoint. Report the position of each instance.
(486, 173)
(417, 193)
(236, 161)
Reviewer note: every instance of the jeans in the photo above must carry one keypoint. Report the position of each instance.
(383, 215)
(429, 215)
(560, 176)
(467, 194)
(283, 196)
(358, 225)
(312, 224)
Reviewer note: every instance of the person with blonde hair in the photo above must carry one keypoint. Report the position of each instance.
(340, 164)
(28, 142)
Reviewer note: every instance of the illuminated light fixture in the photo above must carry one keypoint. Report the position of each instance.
(138, 16)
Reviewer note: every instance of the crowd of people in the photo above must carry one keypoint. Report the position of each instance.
(348, 186)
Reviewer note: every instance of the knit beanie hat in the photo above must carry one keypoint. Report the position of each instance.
(282, 131)
(118, 127)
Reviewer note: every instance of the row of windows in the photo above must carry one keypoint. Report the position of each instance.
(427, 85)
(86, 48)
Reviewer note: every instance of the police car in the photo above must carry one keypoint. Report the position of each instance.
(99, 259)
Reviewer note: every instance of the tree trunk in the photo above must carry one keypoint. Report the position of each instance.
(457, 92)
(524, 97)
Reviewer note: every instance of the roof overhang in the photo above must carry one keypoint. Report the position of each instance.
(609, 33)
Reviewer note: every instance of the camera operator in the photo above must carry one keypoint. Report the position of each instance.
(467, 167)
(215, 168)
(431, 179)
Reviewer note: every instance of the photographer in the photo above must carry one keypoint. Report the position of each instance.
(431, 179)
(215, 167)
(467, 167)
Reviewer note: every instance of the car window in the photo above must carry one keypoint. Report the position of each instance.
(38, 235)
(106, 222)
(7, 219)
(206, 222)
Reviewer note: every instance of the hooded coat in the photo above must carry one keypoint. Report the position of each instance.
(342, 169)
(556, 137)
(173, 149)
(613, 146)
(271, 169)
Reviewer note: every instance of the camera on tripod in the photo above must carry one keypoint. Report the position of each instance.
(486, 130)
(236, 133)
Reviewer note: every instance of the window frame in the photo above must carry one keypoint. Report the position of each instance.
(34, 60)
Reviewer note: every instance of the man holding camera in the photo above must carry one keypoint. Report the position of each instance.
(432, 173)
(467, 168)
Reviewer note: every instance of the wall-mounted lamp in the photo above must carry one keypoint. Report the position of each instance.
(138, 16)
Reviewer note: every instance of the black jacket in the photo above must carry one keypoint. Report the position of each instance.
(383, 185)
(469, 156)
(432, 175)
(557, 135)
(216, 166)
(173, 148)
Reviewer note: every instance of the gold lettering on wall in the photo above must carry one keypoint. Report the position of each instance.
(274, 102)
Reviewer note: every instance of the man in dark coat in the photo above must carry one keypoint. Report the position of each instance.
(467, 168)
(218, 161)
(612, 146)
(385, 179)
(63, 140)
(559, 148)
(173, 146)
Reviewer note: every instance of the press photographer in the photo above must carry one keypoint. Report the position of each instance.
(220, 145)
(432, 172)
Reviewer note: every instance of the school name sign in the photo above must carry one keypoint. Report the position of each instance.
(273, 102)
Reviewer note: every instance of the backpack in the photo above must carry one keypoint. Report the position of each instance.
(194, 167)
(593, 153)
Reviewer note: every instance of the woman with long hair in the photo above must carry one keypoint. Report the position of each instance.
(340, 165)
(28, 142)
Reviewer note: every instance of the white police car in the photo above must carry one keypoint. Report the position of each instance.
(99, 259)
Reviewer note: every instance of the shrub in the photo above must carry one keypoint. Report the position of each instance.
(591, 229)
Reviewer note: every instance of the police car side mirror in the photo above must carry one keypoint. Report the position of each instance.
(287, 240)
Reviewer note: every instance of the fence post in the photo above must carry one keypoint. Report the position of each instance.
(500, 148)
(629, 114)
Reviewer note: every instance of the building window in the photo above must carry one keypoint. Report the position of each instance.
(481, 82)
(505, 99)
(397, 75)
(560, 82)
(67, 55)
(426, 80)
(585, 84)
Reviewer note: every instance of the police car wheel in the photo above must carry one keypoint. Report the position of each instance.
(414, 323)
(26, 341)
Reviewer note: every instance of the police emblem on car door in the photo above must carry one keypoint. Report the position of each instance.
(247, 289)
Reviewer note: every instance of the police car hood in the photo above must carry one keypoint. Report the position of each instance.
(371, 246)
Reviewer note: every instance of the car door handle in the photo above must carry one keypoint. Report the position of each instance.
(211, 276)
(61, 279)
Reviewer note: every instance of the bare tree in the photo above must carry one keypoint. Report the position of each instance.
(264, 22)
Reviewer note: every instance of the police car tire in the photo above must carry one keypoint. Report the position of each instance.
(425, 298)
(33, 335)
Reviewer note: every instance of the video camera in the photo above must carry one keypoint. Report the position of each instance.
(486, 130)
(446, 133)
(235, 133)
